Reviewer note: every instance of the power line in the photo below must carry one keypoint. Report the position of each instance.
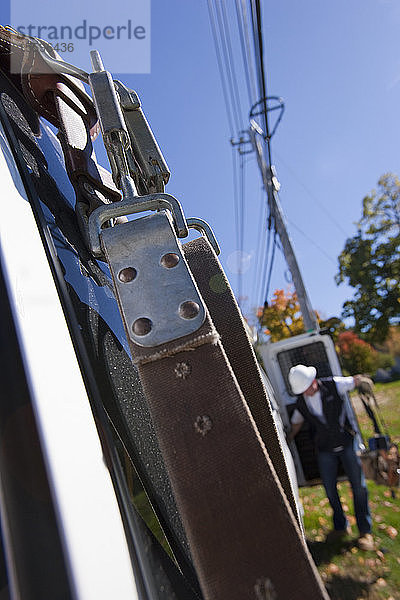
(272, 223)
(241, 221)
(258, 49)
(266, 291)
(245, 48)
(229, 75)
(236, 95)
(312, 195)
(261, 234)
(223, 44)
(248, 47)
(312, 242)
(220, 68)
(242, 200)
(265, 265)
(236, 199)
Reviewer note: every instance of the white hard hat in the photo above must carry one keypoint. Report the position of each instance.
(301, 377)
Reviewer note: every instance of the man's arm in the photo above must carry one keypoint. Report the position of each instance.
(296, 422)
(294, 431)
(346, 384)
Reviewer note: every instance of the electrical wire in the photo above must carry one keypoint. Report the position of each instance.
(241, 222)
(258, 49)
(220, 68)
(248, 48)
(227, 66)
(261, 234)
(223, 44)
(265, 266)
(249, 36)
(312, 196)
(271, 264)
(242, 180)
(313, 242)
(231, 63)
(236, 204)
(255, 81)
(247, 65)
(255, 11)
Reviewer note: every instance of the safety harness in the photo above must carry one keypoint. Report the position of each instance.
(208, 405)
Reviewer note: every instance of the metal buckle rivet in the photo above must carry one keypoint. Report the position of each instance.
(189, 309)
(126, 275)
(142, 326)
(169, 260)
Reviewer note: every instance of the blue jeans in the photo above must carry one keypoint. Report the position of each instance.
(328, 466)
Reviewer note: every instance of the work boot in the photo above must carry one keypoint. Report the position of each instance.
(366, 542)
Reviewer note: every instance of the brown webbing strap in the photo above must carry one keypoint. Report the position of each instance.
(244, 539)
(226, 316)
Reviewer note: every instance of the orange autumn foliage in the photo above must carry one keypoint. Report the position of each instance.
(282, 317)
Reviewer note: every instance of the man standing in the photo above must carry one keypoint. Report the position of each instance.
(320, 403)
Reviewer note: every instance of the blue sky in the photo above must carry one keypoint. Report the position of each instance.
(337, 66)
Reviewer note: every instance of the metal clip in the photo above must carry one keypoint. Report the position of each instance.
(274, 179)
(60, 66)
(205, 229)
(130, 207)
(112, 123)
(128, 99)
(156, 292)
(153, 167)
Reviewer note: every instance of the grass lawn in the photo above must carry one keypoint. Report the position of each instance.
(349, 573)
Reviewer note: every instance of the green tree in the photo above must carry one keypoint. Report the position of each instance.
(391, 345)
(334, 326)
(370, 262)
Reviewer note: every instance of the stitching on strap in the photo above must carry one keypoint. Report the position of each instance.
(6, 46)
(29, 75)
(209, 338)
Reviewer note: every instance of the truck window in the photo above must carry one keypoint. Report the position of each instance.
(308, 354)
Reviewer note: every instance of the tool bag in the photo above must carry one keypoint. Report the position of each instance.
(211, 416)
(378, 462)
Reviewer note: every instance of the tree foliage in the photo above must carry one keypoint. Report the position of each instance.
(334, 326)
(282, 317)
(391, 345)
(356, 355)
(370, 262)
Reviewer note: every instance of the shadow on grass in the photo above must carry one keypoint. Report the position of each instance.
(323, 552)
(353, 584)
(346, 588)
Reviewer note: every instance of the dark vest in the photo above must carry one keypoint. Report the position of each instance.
(330, 435)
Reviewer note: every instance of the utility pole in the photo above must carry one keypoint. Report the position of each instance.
(271, 186)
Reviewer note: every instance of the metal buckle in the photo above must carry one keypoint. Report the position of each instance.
(205, 229)
(156, 292)
(129, 207)
(153, 171)
(60, 66)
(129, 141)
